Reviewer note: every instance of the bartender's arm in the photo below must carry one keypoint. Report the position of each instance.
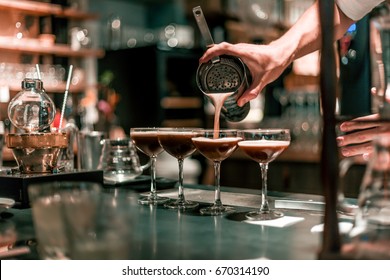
(267, 62)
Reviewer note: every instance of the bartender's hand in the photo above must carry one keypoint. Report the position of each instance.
(359, 135)
(265, 63)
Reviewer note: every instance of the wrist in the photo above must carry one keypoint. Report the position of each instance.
(285, 48)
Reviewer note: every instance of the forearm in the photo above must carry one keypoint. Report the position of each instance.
(304, 36)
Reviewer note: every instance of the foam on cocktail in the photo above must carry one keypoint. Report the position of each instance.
(173, 132)
(143, 133)
(264, 143)
(219, 140)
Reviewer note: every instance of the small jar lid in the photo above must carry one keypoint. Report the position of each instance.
(32, 84)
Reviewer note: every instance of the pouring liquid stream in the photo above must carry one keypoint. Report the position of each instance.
(218, 99)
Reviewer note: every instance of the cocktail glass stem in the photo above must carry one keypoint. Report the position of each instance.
(181, 203)
(264, 213)
(264, 208)
(217, 177)
(217, 208)
(181, 176)
(153, 186)
(153, 198)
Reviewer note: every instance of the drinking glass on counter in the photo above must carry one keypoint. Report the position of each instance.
(146, 140)
(105, 229)
(178, 143)
(263, 146)
(66, 162)
(47, 204)
(90, 149)
(216, 145)
(119, 161)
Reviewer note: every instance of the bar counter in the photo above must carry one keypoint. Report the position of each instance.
(161, 233)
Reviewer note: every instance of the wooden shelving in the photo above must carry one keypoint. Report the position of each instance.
(12, 49)
(74, 14)
(33, 46)
(45, 9)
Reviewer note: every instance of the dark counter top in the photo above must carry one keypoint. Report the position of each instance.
(161, 233)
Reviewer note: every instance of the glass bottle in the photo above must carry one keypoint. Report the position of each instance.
(31, 110)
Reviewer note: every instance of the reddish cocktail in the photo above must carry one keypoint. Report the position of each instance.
(146, 140)
(263, 151)
(216, 149)
(216, 145)
(263, 146)
(177, 142)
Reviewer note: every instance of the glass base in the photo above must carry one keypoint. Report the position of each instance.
(217, 210)
(149, 200)
(181, 204)
(264, 216)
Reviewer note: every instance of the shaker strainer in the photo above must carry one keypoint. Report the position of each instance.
(222, 74)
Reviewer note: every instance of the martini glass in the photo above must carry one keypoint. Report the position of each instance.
(263, 146)
(146, 140)
(177, 142)
(216, 145)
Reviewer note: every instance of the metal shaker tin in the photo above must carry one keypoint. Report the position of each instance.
(222, 74)
(216, 78)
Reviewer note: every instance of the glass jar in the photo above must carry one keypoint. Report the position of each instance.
(31, 110)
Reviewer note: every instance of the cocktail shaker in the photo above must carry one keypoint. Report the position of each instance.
(222, 74)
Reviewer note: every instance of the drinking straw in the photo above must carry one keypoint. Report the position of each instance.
(38, 71)
(66, 94)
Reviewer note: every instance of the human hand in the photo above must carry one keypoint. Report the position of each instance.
(265, 63)
(359, 135)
